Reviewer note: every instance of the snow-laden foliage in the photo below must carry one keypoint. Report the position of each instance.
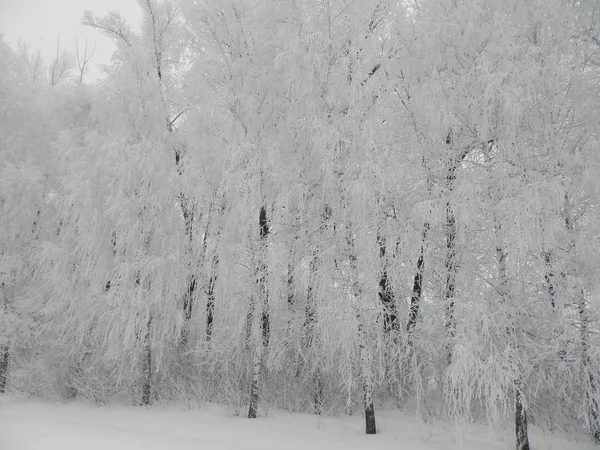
(319, 206)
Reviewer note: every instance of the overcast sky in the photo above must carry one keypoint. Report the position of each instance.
(40, 22)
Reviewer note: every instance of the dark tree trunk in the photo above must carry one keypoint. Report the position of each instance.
(254, 398)
(264, 234)
(450, 265)
(550, 282)
(363, 345)
(308, 338)
(310, 310)
(188, 301)
(210, 301)
(451, 228)
(147, 366)
(263, 301)
(521, 423)
(188, 298)
(592, 409)
(318, 400)
(386, 295)
(4, 368)
(549, 278)
(591, 405)
(417, 292)
(370, 426)
(290, 280)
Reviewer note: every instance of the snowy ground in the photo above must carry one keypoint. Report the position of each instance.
(44, 426)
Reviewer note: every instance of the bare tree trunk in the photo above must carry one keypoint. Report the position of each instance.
(309, 337)
(549, 278)
(521, 423)
(4, 368)
(522, 437)
(309, 330)
(451, 269)
(147, 366)
(263, 300)
(451, 264)
(365, 362)
(592, 410)
(391, 324)
(210, 293)
(188, 299)
(318, 382)
(417, 292)
(506, 296)
(290, 280)
(363, 347)
(5, 356)
(254, 385)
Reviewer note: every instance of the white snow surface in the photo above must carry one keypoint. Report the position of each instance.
(34, 425)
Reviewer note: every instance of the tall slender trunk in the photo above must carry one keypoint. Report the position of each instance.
(290, 279)
(592, 410)
(210, 294)
(292, 259)
(521, 434)
(450, 288)
(309, 330)
(550, 282)
(391, 324)
(262, 343)
(147, 366)
(309, 338)
(5, 349)
(188, 298)
(506, 300)
(521, 423)
(549, 278)
(365, 356)
(318, 386)
(417, 291)
(451, 263)
(4, 359)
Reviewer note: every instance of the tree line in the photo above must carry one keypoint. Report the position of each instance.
(320, 205)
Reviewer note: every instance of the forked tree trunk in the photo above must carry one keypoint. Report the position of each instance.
(262, 343)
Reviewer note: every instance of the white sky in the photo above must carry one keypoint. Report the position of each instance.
(40, 22)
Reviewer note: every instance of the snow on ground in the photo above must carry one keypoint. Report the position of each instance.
(35, 425)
